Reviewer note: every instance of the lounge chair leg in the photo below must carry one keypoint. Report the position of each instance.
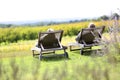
(70, 48)
(40, 56)
(81, 51)
(33, 53)
(54, 51)
(90, 47)
(66, 55)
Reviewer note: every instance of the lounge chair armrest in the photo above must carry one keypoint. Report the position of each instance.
(42, 47)
(100, 35)
(97, 40)
(84, 42)
(60, 44)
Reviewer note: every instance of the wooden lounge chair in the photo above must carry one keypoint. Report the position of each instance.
(88, 38)
(49, 42)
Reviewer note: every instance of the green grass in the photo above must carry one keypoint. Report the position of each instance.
(17, 63)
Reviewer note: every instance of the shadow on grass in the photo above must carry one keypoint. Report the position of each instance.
(53, 57)
(89, 52)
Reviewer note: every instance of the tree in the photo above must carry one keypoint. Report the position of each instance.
(8, 25)
(115, 16)
(104, 17)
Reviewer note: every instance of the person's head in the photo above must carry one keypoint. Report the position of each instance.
(50, 30)
(91, 25)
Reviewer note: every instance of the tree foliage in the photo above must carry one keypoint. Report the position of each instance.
(104, 17)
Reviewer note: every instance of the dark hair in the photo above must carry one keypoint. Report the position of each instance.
(91, 25)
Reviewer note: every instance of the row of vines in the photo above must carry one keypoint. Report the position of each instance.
(15, 34)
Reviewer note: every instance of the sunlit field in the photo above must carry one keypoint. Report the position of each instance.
(18, 63)
(15, 49)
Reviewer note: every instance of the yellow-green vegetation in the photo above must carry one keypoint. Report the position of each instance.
(15, 34)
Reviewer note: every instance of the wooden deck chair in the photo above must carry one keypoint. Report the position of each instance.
(88, 38)
(49, 42)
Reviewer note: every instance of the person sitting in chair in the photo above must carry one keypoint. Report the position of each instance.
(49, 40)
(43, 38)
(91, 25)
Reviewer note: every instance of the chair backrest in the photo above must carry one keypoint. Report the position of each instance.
(50, 39)
(89, 35)
(99, 31)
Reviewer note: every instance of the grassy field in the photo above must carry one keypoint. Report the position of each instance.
(17, 63)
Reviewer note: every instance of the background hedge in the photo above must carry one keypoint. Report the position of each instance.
(13, 34)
